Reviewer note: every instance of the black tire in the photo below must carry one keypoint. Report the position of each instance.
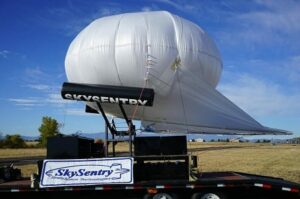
(159, 195)
(208, 195)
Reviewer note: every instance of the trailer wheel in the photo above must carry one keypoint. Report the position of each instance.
(208, 196)
(161, 196)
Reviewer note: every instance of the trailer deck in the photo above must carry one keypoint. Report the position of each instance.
(176, 179)
(234, 184)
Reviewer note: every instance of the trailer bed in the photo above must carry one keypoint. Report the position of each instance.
(234, 184)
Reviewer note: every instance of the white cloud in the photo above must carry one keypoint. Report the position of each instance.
(75, 19)
(25, 109)
(285, 71)
(105, 12)
(26, 103)
(56, 99)
(264, 22)
(281, 15)
(292, 69)
(146, 9)
(52, 99)
(4, 53)
(175, 4)
(47, 89)
(261, 98)
(35, 74)
(44, 88)
(267, 23)
(190, 7)
(44, 82)
(41, 87)
(77, 112)
(22, 100)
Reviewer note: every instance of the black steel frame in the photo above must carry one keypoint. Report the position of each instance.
(113, 131)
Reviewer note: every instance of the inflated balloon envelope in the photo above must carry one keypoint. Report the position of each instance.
(166, 53)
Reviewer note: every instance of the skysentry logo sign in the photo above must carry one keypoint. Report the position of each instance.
(86, 172)
(108, 94)
(104, 99)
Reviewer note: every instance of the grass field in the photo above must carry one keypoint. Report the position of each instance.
(12, 153)
(264, 159)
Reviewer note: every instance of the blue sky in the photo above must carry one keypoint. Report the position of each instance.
(259, 43)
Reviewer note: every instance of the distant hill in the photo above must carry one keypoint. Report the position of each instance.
(93, 135)
(206, 137)
(30, 138)
(210, 137)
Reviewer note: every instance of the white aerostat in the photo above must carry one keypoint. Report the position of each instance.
(165, 52)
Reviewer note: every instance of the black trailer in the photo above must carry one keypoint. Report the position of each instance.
(158, 171)
(212, 185)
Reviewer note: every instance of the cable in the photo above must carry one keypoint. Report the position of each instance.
(148, 66)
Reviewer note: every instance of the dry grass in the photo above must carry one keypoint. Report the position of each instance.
(27, 170)
(264, 159)
(12, 153)
(280, 160)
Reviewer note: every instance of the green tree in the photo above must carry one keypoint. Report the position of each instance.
(49, 127)
(14, 141)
